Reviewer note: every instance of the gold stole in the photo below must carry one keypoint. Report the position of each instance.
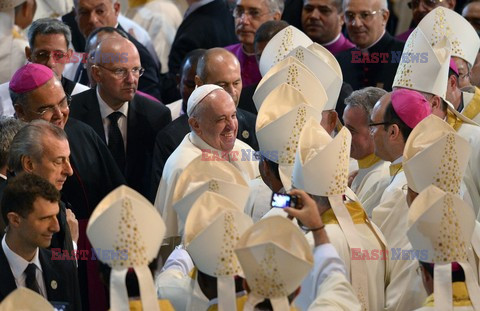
(473, 107)
(460, 296)
(354, 209)
(368, 161)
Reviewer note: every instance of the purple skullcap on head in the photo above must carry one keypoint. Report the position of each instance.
(453, 65)
(410, 106)
(30, 77)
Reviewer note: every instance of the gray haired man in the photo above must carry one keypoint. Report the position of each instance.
(372, 170)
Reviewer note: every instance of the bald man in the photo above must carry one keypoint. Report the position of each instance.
(127, 122)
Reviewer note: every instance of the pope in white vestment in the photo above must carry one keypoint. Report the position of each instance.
(193, 146)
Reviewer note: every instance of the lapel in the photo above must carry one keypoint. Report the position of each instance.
(7, 283)
(51, 277)
(92, 114)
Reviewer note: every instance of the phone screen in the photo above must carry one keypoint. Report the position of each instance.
(281, 200)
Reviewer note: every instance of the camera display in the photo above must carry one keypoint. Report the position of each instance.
(281, 200)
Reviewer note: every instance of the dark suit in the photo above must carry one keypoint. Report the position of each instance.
(95, 174)
(172, 135)
(63, 272)
(207, 27)
(359, 73)
(145, 119)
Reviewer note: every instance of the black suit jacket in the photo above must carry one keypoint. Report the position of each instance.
(63, 272)
(362, 74)
(172, 135)
(207, 27)
(145, 119)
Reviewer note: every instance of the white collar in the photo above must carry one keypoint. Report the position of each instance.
(105, 109)
(398, 160)
(333, 41)
(3, 176)
(16, 262)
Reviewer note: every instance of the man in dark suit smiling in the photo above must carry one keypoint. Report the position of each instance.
(30, 205)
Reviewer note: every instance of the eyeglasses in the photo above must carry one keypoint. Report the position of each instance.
(429, 4)
(372, 126)
(44, 56)
(253, 14)
(365, 16)
(122, 73)
(62, 106)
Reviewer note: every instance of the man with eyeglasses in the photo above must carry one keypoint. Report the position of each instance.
(49, 41)
(37, 94)
(420, 8)
(371, 62)
(322, 21)
(126, 122)
(249, 15)
(391, 122)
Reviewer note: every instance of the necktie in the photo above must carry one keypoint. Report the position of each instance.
(31, 280)
(115, 140)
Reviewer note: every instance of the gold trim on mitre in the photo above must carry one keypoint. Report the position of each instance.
(295, 74)
(275, 258)
(424, 67)
(442, 22)
(321, 163)
(280, 45)
(435, 154)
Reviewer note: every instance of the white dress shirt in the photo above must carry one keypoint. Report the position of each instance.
(105, 111)
(18, 265)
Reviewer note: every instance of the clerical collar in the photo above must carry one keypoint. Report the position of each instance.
(396, 167)
(333, 41)
(368, 161)
(365, 50)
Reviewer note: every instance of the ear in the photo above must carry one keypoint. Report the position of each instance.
(436, 103)
(19, 112)
(116, 8)
(385, 16)
(394, 132)
(198, 81)
(194, 125)
(452, 82)
(277, 16)
(28, 53)
(96, 75)
(27, 164)
(69, 53)
(451, 4)
(13, 219)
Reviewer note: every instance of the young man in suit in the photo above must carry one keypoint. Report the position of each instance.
(127, 122)
(29, 208)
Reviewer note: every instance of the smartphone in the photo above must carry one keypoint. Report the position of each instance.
(281, 200)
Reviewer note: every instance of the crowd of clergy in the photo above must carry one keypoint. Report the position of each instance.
(146, 144)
